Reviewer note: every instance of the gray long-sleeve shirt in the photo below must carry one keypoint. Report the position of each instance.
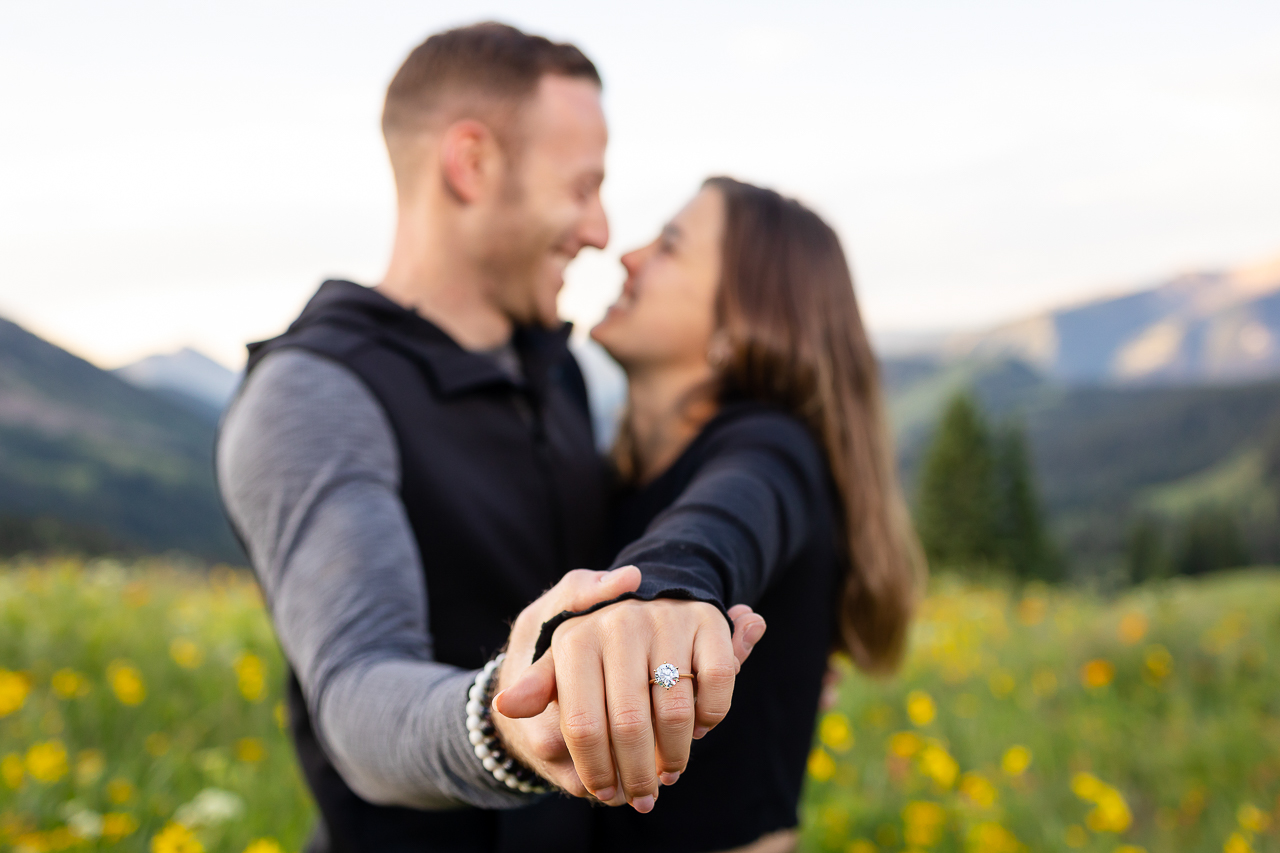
(309, 472)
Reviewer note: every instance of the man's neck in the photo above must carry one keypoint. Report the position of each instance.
(668, 406)
(429, 275)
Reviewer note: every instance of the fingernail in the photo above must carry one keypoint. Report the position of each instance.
(604, 795)
(493, 703)
(644, 804)
(699, 731)
(754, 632)
(668, 778)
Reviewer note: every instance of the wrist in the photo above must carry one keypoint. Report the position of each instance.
(488, 746)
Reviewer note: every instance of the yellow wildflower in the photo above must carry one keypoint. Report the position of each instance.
(263, 845)
(90, 764)
(860, 845)
(120, 790)
(1097, 673)
(1001, 683)
(116, 825)
(126, 682)
(993, 838)
(1086, 786)
(1016, 760)
(821, 765)
(923, 822)
(1031, 610)
(185, 653)
(47, 761)
(1133, 627)
(1237, 843)
(1253, 818)
(251, 673)
(1130, 848)
(1111, 814)
(14, 687)
(835, 732)
(176, 838)
(939, 766)
(920, 708)
(68, 684)
(905, 744)
(975, 788)
(11, 769)
(1159, 663)
(250, 749)
(1075, 836)
(281, 713)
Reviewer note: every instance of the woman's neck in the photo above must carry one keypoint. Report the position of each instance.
(668, 406)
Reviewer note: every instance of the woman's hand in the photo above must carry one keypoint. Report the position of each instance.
(595, 682)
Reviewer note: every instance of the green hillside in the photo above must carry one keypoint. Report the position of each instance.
(99, 461)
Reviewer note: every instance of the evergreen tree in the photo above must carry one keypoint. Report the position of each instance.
(957, 509)
(1210, 540)
(1024, 543)
(1146, 556)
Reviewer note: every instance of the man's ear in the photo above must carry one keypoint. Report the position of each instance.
(469, 159)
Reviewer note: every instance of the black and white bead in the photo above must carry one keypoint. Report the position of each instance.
(484, 737)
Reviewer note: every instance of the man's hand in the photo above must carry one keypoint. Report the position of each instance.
(526, 711)
(598, 671)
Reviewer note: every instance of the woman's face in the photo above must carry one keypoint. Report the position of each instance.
(665, 315)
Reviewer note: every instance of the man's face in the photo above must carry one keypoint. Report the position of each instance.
(550, 205)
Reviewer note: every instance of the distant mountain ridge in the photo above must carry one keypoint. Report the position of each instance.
(186, 376)
(1215, 326)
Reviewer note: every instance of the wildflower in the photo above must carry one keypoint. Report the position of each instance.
(47, 761)
(938, 765)
(1097, 673)
(1252, 818)
(176, 838)
(1130, 848)
(975, 788)
(281, 713)
(11, 769)
(1031, 610)
(210, 807)
(993, 838)
(90, 764)
(1159, 663)
(1110, 812)
(251, 673)
(185, 653)
(821, 765)
(126, 682)
(905, 744)
(860, 845)
(116, 825)
(1133, 627)
(923, 822)
(1016, 760)
(120, 790)
(1237, 843)
(835, 732)
(69, 684)
(1001, 683)
(920, 708)
(250, 749)
(1075, 836)
(263, 845)
(14, 687)
(156, 744)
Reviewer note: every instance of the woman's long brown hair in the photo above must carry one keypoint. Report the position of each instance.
(792, 335)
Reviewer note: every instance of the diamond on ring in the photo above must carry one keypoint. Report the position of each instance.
(666, 675)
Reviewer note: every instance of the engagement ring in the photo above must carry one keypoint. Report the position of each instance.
(668, 676)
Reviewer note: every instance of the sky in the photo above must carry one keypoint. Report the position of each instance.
(187, 173)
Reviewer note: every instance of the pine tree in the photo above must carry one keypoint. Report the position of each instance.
(957, 510)
(1024, 543)
(1145, 552)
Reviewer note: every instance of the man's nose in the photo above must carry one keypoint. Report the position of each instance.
(594, 230)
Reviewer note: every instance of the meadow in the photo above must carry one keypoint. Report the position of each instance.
(140, 711)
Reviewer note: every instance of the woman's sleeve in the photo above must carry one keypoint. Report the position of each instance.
(749, 510)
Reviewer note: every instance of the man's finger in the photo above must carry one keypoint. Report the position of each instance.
(531, 693)
(582, 588)
(715, 667)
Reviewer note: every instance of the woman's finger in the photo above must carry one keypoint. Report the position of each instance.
(748, 628)
(583, 715)
(672, 712)
(630, 717)
(716, 668)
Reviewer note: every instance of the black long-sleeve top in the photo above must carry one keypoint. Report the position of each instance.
(747, 514)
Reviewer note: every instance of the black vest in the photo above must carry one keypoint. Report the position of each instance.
(504, 491)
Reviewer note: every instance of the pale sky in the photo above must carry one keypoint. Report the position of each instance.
(188, 172)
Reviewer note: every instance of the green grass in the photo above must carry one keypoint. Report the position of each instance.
(1174, 743)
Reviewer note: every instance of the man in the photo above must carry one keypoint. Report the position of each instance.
(410, 466)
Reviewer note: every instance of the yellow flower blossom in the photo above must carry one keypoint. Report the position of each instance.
(186, 653)
(251, 674)
(938, 765)
(821, 765)
(176, 838)
(120, 790)
(1075, 836)
(1001, 683)
(835, 732)
(1097, 673)
(116, 825)
(1237, 843)
(1031, 610)
(1130, 848)
(975, 788)
(14, 687)
(264, 845)
(993, 838)
(69, 684)
(90, 764)
(905, 744)
(281, 714)
(860, 845)
(921, 708)
(1133, 627)
(12, 770)
(126, 682)
(1158, 663)
(1252, 818)
(1016, 760)
(1110, 814)
(923, 822)
(47, 761)
(251, 749)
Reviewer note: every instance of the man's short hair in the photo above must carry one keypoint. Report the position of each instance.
(483, 71)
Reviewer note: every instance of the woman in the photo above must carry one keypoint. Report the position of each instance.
(755, 468)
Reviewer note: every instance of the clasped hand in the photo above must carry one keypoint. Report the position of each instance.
(585, 715)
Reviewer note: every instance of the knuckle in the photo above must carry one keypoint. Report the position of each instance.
(718, 674)
(628, 724)
(581, 728)
(675, 711)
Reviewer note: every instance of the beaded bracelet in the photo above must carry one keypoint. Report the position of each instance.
(484, 737)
